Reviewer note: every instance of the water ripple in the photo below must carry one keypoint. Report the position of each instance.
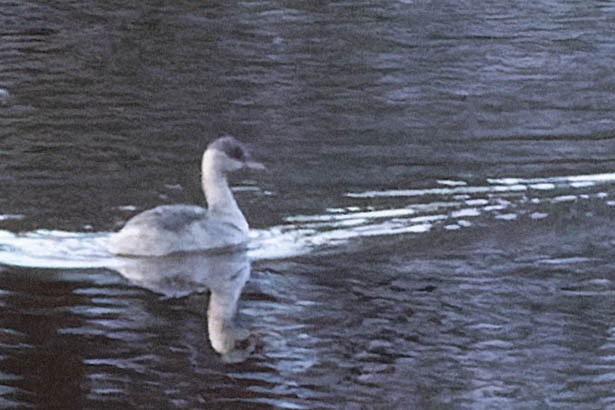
(451, 208)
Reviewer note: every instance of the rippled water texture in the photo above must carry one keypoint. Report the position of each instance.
(435, 228)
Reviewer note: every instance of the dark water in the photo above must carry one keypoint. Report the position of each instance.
(434, 231)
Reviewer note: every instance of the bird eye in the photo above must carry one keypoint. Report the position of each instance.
(236, 153)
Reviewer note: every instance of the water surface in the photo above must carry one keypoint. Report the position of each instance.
(434, 230)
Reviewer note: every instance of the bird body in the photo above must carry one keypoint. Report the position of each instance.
(169, 229)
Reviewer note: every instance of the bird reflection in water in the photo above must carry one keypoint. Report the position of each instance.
(224, 273)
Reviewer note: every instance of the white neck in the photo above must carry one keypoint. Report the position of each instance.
(220, 199)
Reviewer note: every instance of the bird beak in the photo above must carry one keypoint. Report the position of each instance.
(254, 165)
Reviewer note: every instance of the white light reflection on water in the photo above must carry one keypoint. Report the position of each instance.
(504, 199)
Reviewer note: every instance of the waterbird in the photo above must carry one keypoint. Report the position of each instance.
(168, 229)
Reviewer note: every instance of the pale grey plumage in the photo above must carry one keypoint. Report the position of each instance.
(185, 228)
(170, 217)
